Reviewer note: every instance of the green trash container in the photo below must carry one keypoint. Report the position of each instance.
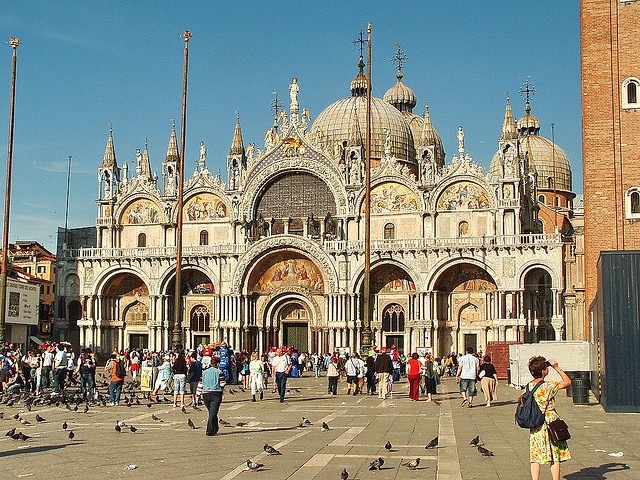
(580, 391)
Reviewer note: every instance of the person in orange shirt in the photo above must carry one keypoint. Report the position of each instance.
(117, 380)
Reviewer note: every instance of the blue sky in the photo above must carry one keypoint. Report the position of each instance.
(85, 65)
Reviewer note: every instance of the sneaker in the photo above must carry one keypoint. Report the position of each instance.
(470, 405)
(464, 400)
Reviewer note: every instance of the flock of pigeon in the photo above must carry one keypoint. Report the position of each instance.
(75, 403)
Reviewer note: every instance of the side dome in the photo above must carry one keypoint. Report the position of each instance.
(549, 161)
(401, 96)
(346, 120)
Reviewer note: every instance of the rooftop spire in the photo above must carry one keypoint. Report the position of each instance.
(237, 146)
(145, 165)
(172, 149)
(359, 83)
(109, 159)
(399, 58)
(509, 131)
(355, 136)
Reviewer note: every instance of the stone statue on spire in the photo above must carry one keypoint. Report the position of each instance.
(460, 140)
(202, 162)
(294, 89)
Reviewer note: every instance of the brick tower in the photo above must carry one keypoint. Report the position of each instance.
(609, 38)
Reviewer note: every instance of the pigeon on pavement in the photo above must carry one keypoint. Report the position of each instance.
(344, 475)
(39, 418)
(387, 446)
(376, 464)
(64, 425)
(475, 441)
(71, 434)
(485, 452)
(412, 465)
(133, 429)
(325, 427)
(191, 424)
(10, 432)
(270, 450)
(253, 466)
(432, 444)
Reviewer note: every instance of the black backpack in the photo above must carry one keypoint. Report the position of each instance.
(528, 413)
(121, 372)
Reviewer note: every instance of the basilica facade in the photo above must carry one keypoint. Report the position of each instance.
(274, 255)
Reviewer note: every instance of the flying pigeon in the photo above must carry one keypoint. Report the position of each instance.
(39, 418)
(71, 434)
(325, 427)
(254, 466)
(270, 450)
(191, 424)
(485, 452)
(387, 446)
(376, 464)
(432, 444)
(475, 441)
(344, 475)
(412, 465)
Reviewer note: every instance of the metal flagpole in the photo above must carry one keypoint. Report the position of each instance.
(366, 327)
(177, 321)
(66, 212)
(14, 42)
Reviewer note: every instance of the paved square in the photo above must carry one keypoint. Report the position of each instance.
(359, 428)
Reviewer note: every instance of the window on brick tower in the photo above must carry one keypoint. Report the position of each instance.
(630, 93)
(632, 203)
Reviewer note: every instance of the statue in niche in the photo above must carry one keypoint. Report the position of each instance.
(427, 168)
(352, 200)
(330, 226)
(107, 185)
(251, 150)
(314, 226)
(355, 171)
(508, 161)
(167, 212)
(171, 181)
(235, 206)
(125, 172)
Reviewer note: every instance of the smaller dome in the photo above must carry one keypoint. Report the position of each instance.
(528, 124)
(401, 96)
(359, 83)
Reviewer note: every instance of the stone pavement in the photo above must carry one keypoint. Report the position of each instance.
(359, 428)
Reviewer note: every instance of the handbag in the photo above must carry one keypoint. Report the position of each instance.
(558, 431)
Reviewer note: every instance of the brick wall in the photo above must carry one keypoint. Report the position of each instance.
(610, 53)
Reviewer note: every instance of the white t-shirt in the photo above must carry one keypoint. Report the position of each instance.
(469, 365)
(281, 363)
(60, 359)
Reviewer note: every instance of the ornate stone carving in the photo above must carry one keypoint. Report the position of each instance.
(268, 299)
(263, 246)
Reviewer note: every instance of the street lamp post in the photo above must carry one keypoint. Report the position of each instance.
(14, 42)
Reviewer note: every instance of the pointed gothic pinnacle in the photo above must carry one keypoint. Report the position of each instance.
(237, 146)
(509, 131)
(109, 159)
(172, 149)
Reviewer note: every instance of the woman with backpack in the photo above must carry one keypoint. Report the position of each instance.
(541, 450)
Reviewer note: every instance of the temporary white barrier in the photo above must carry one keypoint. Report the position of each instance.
(571, 356)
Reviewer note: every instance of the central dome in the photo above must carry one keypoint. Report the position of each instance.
(345, 123)
(346, 120)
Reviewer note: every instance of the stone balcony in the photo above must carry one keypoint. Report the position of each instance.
(331, 246)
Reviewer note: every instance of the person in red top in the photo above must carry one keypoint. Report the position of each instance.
(413, 374)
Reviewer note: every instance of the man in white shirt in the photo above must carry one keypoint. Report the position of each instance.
(60, 369)
(281, 364)
(468, 366)
(47, 363)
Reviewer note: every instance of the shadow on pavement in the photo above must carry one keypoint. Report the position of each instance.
(34, 450)
(599, 473)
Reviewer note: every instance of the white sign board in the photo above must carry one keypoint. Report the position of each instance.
(22, 303)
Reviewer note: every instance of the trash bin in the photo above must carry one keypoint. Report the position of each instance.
(573, 375)
(580, 392)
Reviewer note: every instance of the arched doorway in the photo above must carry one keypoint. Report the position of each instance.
(135, 318)
(74, 314)
(464, 294)
(538, 305)
(393, 319)
(200, 325)
(293, 319)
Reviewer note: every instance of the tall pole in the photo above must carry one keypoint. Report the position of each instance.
(66, 212)
(366, 327)
(555, 177)
(14, 42)
(177, 322)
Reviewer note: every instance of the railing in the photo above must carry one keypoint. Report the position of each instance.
(408, 244)
(404, 244)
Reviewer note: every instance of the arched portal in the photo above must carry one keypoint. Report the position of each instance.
(74, 314)
(538, 305)
(293, 318)
(125, 303)
(463, 299)
(393, 291)
(200, 325)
